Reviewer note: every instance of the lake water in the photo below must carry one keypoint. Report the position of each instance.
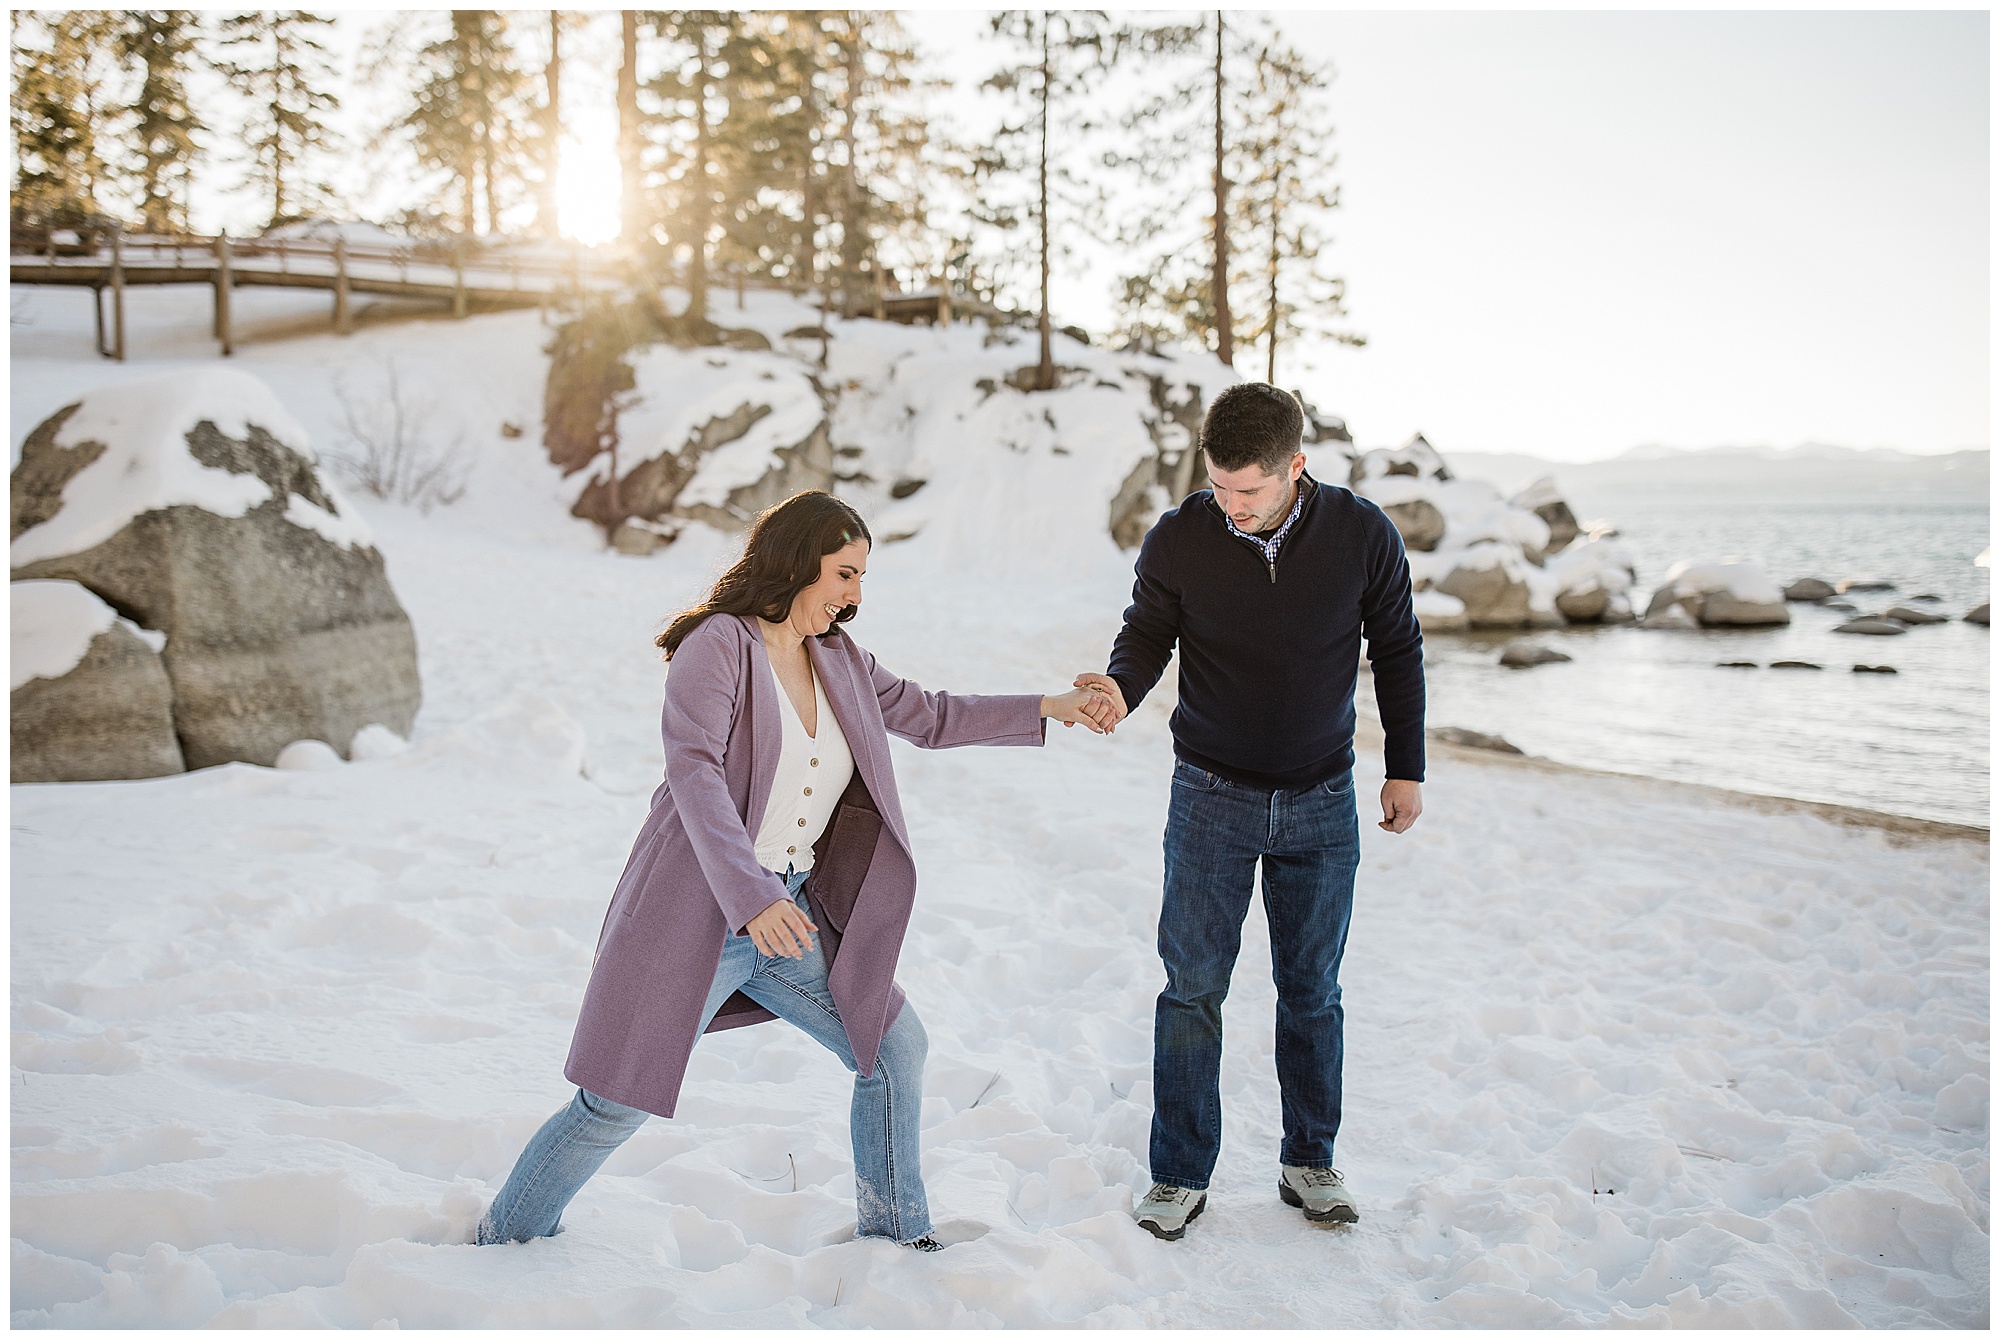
(1656, 702)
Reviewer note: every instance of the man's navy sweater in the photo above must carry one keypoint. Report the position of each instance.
(1270, 652)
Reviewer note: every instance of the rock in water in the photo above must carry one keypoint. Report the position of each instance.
(1419, 522)
(1472, 739)
(1872, 627)
(1904, 614)
(1809, 589)
(192, 504)
(1585, 606)
(91, 701)
(1493, 597)
(1865, 584)
(1795, 665)
(1874, 669)
(1980, 614)
(1736, 665)
(1520, 655)
(1730, 594)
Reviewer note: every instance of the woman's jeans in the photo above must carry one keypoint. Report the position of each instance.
(1308, 842)
(888, 1183)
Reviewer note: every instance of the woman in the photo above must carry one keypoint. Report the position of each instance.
(773, 877)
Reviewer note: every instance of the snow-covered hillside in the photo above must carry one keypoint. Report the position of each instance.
(1619, 1052)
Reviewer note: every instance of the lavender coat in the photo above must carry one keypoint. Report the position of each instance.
(693, 875)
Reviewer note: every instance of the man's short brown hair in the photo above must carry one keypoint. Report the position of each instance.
(1253, 423)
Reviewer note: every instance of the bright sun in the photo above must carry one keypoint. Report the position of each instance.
(587, 187)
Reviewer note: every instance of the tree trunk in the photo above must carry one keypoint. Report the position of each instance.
(853, 236)
(698, 199)
(552, 126)
(1225, 340)
(1271, 319)
(1045, 371)
(631, 215)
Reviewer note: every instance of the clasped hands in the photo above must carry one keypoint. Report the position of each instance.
(1101, 707)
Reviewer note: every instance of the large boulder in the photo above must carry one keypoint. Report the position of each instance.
(1416, 458)
(1593, 581)
(707, 435)
(1542, 498)
(1439, 613)
(192, 505)
(91, 701)
(1729, 594)
(1980, 614)
(1494, 595)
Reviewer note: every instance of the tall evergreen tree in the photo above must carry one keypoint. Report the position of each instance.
(62, 63)
(467, 114)
(879, 168)
(549, 127)
(161, 45)
(1062, 54)
(275, 59)
(1242, 127)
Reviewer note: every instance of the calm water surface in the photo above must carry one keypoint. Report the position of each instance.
(1656, 703)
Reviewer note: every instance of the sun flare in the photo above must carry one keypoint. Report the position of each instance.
(588, 192)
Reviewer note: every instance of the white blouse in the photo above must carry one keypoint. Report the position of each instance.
(812, 774)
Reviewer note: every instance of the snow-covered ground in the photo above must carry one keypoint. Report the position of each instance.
(1619, 1051)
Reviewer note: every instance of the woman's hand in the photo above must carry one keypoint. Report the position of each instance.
(781, 930)
(1084, 706)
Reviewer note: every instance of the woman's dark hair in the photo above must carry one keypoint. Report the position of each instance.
(780, 559)
(1253, 423)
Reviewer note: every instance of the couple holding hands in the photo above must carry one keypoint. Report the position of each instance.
(773, 877)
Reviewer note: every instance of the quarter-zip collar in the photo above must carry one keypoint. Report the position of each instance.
(1307, 487)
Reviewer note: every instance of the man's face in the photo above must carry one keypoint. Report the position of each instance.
(1253, 499)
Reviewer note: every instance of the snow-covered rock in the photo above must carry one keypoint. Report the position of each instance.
(91, 701)
(1593, 581)
(1732, 593)
(1546, 501)
(1416, 458)
(1440, 613)
(193, 503)
(1492, 581)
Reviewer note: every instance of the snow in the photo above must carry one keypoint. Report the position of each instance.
(52, 626)
(1619, 1052)
(146, 465)
(1742, 579)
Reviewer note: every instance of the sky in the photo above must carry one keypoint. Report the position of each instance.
(1571, 234)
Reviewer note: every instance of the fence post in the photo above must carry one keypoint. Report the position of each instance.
(343, 322)
(881, 311)
(118, 292)
(222, 330)
(944, 300)
(458, 278)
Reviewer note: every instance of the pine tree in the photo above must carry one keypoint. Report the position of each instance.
(549, 127)
(1063, 54)
(879, 171)
(1288, 150)
(283, 72)
(160, 45)
(466, 121)
(1254, 107)
(62, 64)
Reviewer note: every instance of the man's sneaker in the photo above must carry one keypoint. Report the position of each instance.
(1168, 1210)
(1320, 1193)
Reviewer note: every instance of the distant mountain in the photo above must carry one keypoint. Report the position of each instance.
(1770, 473)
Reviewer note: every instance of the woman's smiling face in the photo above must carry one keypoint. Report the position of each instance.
(839, 586)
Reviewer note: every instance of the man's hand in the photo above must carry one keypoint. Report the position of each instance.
(1107, 705)
(1402, 802)
(781, 930)
(1077, 707)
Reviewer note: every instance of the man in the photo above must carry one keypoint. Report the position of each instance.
(1268, 581)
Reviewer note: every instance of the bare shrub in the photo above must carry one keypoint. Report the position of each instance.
(391, 452)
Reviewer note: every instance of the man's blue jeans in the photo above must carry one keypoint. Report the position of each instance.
(884, 1121)
(1308, 841)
